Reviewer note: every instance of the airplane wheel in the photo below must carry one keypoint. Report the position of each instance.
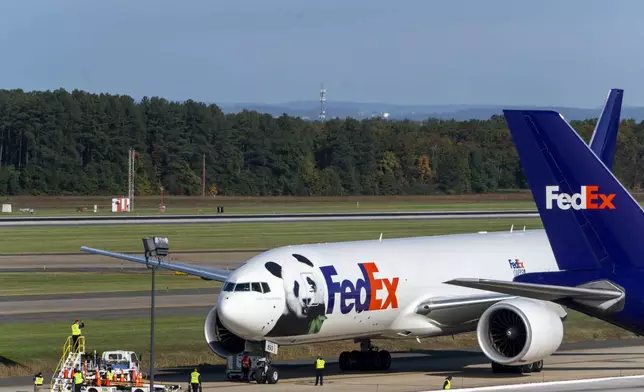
(273, 375)
(260, 377)
(537, 366)
(498, 368)
(344, 361)
(355, 360)
(385, 359)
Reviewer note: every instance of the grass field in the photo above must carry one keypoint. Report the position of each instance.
(235, 236)
(180, 341)
(33, 283)
(148, 205)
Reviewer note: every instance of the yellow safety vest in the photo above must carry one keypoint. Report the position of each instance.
(194, 378)
(78, 378)
(110, 376)
(76, 329)
(38, 381)
(448, 384)
(319, 363)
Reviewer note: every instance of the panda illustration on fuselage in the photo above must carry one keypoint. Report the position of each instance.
(304, 292)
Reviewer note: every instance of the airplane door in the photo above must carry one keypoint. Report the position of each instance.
(314, 289)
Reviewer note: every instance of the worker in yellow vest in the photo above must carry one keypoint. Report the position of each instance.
(319, 371)
(78, 380)
(38, 379)
(448, 383)
(76, 332)
(195, 381)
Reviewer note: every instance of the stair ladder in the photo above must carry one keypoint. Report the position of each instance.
(71, 359)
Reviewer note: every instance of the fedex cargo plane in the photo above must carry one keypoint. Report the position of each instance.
(592, 223)
(390, 288)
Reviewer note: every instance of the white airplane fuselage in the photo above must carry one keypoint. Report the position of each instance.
(333, 291)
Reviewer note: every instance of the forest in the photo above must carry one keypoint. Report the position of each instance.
(76, 143)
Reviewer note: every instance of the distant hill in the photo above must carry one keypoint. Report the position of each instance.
(311, 109)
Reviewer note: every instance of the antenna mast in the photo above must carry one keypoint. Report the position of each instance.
(322, 103)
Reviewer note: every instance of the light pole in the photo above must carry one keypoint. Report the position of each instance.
(153, 246)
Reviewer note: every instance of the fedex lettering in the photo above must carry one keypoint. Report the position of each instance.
(350, 292)
(588, 199)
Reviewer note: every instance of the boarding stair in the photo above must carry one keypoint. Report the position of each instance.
(71, 358)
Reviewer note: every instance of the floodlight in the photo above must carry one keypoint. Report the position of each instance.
(157, 246)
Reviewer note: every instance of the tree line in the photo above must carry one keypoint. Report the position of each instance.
(76, 143)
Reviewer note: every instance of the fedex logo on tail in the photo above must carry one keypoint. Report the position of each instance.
(588, 199)
(350, 292)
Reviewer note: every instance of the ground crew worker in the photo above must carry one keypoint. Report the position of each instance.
(319, 371)
(76, 332)
(195, 381)
(110, 375)
(78, 380)
(245, 364)
(448, 383)
(38, 379)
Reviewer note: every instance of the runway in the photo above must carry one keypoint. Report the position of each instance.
(263, 218)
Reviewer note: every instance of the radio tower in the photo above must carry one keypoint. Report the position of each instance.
(322, 103)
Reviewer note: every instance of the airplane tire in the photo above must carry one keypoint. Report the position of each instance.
(343, 361)
(273, 375)
(537, 367)
(355, 360)
(260, 377)
(385, 359)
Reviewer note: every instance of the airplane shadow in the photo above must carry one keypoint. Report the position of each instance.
(436, 362)
(9, 362)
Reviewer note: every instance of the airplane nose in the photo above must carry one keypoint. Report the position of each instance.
(249, 315)
(234, 315)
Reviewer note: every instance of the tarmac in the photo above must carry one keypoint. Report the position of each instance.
(426, 370)
(415, 371)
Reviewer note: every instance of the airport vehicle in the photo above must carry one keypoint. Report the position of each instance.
(390, 288)
(592, 222)
(124, 364)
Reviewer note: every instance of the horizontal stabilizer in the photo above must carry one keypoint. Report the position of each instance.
(207, 273)
(543, 292)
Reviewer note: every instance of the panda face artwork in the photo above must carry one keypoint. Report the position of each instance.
(304, 294)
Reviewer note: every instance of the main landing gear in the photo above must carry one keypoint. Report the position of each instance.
(534, 367)
(368, 358)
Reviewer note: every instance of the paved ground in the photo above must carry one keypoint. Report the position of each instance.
(426, 371)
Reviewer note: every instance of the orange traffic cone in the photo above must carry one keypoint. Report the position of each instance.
(98, 379)
(122, 376)
(107, 380)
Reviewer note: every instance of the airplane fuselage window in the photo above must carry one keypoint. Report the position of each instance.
(265, 287)
(242, 287)
(256, 287)
(229, 287)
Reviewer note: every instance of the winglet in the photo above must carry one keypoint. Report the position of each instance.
(604, 137)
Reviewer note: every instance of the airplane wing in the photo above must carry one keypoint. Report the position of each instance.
(207, 273)
(542, 292)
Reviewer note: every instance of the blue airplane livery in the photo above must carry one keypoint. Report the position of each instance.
(598, 250)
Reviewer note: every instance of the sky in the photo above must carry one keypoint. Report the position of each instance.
(519, 52)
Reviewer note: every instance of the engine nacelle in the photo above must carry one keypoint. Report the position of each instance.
(220, 340)
(519, 331)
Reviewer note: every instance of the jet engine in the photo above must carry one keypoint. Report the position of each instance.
(220, 340)
(519, 331)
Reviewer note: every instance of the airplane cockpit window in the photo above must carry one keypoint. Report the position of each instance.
(256, 287)
(242, 287)
(265, 287)
(229, 287)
